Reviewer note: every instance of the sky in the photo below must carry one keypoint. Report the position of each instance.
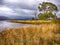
(23, 7)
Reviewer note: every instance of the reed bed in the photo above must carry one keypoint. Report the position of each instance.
(31, 21)
(43, 34)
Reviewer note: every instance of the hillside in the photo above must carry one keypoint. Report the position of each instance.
(3, 18)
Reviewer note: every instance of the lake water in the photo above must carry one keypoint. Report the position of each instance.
(5, 24)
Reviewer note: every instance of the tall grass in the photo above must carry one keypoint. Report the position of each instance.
(31, 21)
(43, 34)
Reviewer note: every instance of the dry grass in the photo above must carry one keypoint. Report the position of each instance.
(31, 21)
(43, 34)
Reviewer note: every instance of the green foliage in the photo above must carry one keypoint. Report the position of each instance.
(46, 16)
(47, 6)
(47, 9)
(32, 18)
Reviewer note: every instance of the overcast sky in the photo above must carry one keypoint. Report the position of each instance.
(22, 7)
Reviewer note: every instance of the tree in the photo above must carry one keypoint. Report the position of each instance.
(44, 16)
(47, 8)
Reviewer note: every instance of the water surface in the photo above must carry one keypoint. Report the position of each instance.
(6, 24)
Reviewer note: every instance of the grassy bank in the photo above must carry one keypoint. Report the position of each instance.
(31, 21)
(43, 34)
(35, 21)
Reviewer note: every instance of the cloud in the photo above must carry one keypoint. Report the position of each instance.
(18, 7)
(58, 14)
(11, 1)
(22, 7)
(1, 2)
(24, 12)
(25, 4)
(57, 0)
(30, 2)
(21, 2)
(7, 11)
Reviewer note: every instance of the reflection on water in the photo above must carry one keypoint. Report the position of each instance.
(5, 24)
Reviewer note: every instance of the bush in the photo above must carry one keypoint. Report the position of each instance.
(56, 21)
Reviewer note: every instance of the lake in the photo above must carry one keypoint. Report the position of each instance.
(6, 24)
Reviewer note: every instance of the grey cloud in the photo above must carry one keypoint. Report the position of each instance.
(58, 14)
(24, 12)
(58, 1)
(15, 6)
(20, 7)
(24, 4)
(1, 2)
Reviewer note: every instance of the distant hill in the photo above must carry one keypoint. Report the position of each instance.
(3, 18)
(15, 18)
(21, 17)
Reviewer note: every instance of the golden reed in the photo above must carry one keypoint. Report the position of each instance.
(42, 34)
